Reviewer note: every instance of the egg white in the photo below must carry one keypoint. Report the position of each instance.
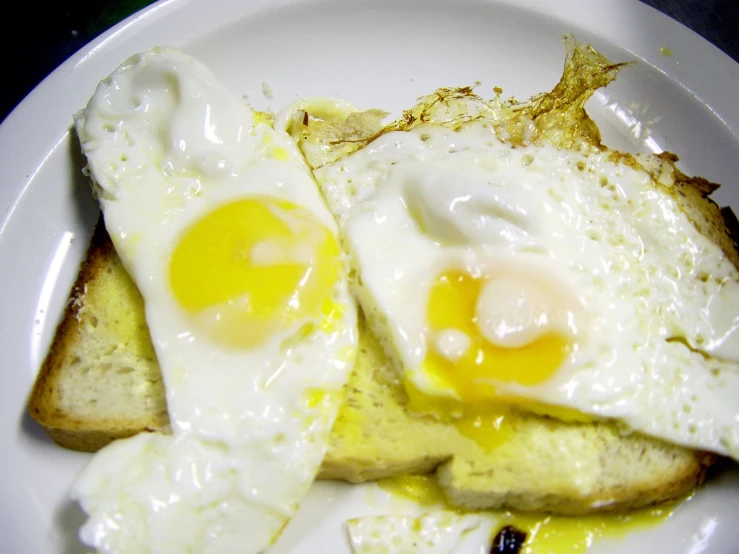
(437, 532)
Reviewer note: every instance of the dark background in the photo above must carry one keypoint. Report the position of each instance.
(42, 35)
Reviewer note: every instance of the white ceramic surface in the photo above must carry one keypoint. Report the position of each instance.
(373, 53)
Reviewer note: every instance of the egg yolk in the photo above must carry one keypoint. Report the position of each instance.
(453, 305)
(461, 357)
(253, 268)
(569, 535)
(545, 534)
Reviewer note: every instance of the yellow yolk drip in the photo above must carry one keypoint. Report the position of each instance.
(476, 407)
(254, 267)
(488, 427)
(545, 534)
(422, 489)
(570, 535)
(488, 424)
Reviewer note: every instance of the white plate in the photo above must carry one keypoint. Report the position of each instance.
(374, 53)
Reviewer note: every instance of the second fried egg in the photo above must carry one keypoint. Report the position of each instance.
(562, 281)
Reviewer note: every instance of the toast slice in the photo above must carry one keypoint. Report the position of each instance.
(100, 381)
(538, 465)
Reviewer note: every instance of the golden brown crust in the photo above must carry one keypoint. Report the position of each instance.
(52, 404)
(43, 401)
(88, 440)
(710, 220)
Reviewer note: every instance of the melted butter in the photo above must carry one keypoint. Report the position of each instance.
(546, 534)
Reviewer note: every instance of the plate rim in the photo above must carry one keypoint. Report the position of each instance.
(20, 165)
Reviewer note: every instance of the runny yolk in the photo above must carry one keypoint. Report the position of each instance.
(453, 304)
(254, 267)
(548, 534)
(479, 366)
(545, 534)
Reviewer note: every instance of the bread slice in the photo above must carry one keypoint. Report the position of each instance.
(540, 465)
(100, 381)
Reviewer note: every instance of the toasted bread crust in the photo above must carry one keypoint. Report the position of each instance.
(43, 404)
(81, 349)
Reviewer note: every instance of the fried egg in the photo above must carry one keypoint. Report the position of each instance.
(557, 280)
(218, 220)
